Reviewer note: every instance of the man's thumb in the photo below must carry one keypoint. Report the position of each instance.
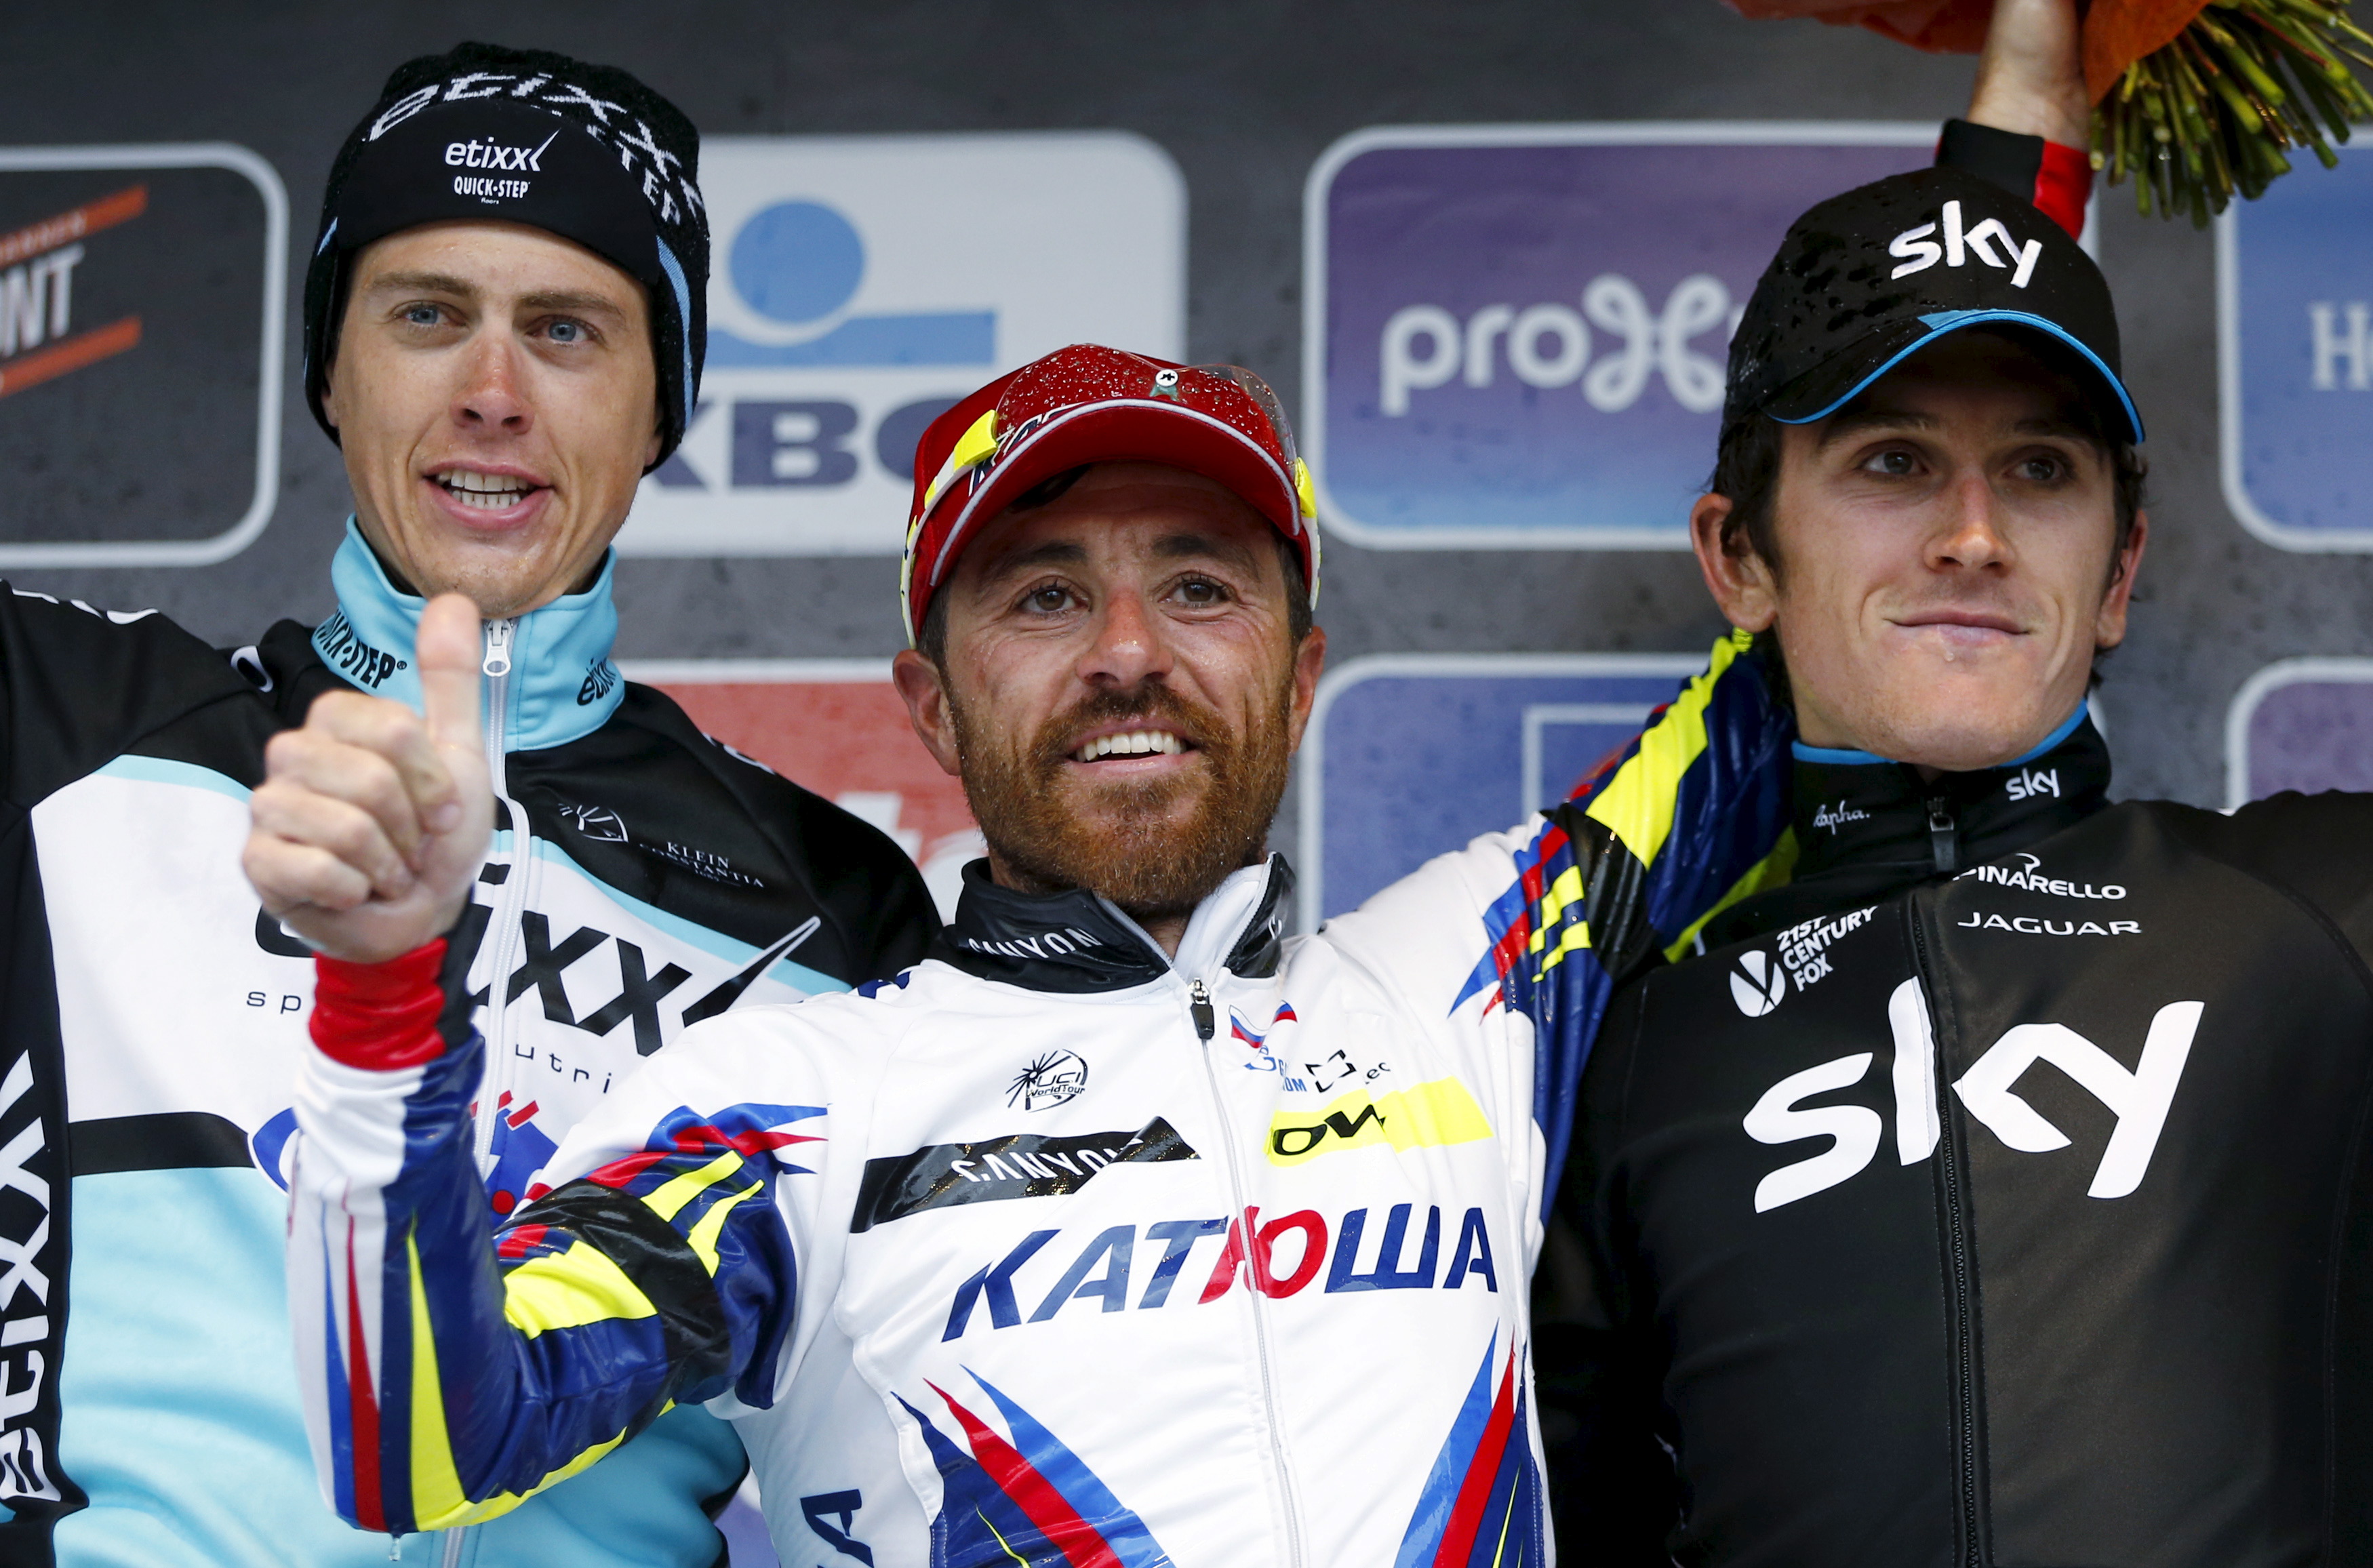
(446, 653)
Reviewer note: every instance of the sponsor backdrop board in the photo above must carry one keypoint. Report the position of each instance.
(1514, 337)
(837, 726)
(1408, 755)
(2304, 724)
(860, 284)
(141, 298)
(2294, 323)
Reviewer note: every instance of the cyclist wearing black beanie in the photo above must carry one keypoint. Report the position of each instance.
(503, 332)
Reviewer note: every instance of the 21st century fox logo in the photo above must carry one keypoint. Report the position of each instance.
(1758, 984)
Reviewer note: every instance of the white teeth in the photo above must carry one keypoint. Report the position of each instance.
(487, 491)
(1137, 743)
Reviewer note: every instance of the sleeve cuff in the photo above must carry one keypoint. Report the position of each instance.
(380, 1017)
(2058, 180)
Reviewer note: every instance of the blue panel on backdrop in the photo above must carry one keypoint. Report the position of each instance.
(2304, 724)
(2294, 314)
(1517, 336)
(1412, 755)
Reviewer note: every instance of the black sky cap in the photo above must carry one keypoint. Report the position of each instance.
(1867, 280)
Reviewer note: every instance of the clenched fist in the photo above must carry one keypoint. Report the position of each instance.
(373, 820)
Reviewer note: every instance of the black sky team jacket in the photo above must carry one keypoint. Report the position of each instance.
(1999, 1193)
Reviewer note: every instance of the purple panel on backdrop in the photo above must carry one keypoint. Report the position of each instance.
(1412, 765)
(2312, 735)
(2298, 297)
(1531, 339)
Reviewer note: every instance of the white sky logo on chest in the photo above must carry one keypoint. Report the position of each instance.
(2139, 1097)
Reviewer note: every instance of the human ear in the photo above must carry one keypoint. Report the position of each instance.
(923, 688)
(1738, 577)
(1309, 663)
(2110, 621)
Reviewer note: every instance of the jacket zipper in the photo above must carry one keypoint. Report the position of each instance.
(1198, 1006)
(502, 937)
(1962, 1308)
(510, 894)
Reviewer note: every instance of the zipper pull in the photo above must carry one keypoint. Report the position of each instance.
(498, 648)
(1942, 836)
(1198, 1002)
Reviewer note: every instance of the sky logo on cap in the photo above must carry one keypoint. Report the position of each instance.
(1919, 252)
(863, 284)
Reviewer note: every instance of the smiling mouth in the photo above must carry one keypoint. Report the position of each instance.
(1136, 743)
(484, 492)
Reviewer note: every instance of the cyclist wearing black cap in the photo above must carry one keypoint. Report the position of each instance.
(1996, 1191)
(503, 332)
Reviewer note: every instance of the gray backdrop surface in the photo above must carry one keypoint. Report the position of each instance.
(1244, 95)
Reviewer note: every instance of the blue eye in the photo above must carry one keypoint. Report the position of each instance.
(422, 315)
(568, 332)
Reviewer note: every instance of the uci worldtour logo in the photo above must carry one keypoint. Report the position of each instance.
(1758, 984)
(1053, 1078)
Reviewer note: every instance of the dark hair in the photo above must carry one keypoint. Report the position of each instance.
(1746, 473)
(932, 640)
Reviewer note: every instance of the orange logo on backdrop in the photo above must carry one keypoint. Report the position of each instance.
(850, 742)
(37, 338)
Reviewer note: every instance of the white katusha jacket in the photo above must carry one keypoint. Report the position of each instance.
(1055, 1250)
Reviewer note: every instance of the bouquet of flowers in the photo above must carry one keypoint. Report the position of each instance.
(2194, 99)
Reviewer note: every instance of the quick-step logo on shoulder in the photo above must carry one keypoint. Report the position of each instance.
(2139, 1097)
(1919, 252)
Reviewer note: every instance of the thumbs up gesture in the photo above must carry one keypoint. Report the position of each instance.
(373, 820)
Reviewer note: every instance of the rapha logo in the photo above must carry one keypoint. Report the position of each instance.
(1837, 816)
(1758, 984)
(1057, 1078)
(1919, 252)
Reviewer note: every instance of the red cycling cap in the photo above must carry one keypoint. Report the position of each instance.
(1088, 403)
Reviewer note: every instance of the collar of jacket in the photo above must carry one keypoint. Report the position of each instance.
(1861, 819)
(1076, 942)
(562, 686)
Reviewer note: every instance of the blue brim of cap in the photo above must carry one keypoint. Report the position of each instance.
(1944, 322)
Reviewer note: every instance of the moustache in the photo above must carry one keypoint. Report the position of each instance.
(1149, 706)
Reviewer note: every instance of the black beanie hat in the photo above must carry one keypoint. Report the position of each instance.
(527, 136)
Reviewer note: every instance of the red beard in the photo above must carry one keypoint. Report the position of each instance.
(1155, 847)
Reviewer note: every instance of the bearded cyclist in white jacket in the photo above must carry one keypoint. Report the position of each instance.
(1120, 1230)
